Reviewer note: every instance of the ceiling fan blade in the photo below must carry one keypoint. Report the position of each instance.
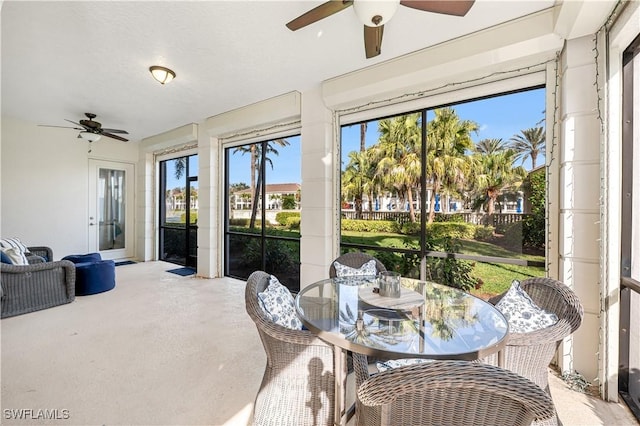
(373, 40)
(61, 127)
(78, 124)
(318, 13)
(447, 7)
(115, 131)
(109, 135)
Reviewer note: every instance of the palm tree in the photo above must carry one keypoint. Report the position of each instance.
(255, 163)
(448, 139)
(398, 150)
(494, 173)
(529, 144)
(356, 178)
(363, 135)
(490, 146)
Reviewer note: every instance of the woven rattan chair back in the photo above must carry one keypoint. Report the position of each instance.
(355, 260)
(452, 393)
(298, 385)
(529, 354)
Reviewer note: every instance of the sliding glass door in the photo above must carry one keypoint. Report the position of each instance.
(179, 210)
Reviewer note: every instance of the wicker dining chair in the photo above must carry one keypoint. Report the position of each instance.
(355, 260)
(298, 385)
(529, 354)
(452, 393)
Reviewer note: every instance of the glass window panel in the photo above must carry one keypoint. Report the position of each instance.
(263, 216)
(466, 209)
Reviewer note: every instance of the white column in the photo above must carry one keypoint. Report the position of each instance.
(579, 227)
(208, 195)
(318, 245)
(145, 229)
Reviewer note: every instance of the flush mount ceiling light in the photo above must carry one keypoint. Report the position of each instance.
(161, 74)
(89, 136)
(375, 13)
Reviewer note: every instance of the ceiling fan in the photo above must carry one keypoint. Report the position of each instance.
(374, 14)
(91, 130)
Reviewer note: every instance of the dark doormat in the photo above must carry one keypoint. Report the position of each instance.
(125, 262)
(182, 271)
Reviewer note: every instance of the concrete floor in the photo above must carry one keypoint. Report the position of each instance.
(162, 349)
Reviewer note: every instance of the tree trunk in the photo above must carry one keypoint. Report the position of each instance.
(254, 207)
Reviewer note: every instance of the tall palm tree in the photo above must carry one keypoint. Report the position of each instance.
(490, 146)
(255, 163)
(363, 136)
(495, 173)
(356, 178)
(448, 139)
(529, 144)
(398, 150)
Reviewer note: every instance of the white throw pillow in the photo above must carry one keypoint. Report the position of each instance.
(367, 269)
(21, 249)
(522, 313)
(16, 257)
(278, 305)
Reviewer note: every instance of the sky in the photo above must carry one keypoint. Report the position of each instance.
(499, 117)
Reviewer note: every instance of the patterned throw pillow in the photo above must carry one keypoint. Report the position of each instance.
(367, 269)
(278, 305)
(20, 249)
(522, 313)
(15, 257)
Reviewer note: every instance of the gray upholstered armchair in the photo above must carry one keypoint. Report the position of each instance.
(41, 284)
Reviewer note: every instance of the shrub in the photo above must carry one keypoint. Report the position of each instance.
(280, 256)
(410, 228)
(282, 217)
(288, 202)
(533, 228)
(439, 230)
(513, 235)
(450, 271)
(355, 225)
(293, 222)
(483, 233)
(193, 218)
(449, 217)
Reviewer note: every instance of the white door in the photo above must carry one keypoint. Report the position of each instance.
(111, 209)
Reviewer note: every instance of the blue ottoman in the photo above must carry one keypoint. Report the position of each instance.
(93, 275)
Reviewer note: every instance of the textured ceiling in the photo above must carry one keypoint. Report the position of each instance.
(61, 59)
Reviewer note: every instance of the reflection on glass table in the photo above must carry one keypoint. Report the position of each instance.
(428, 320)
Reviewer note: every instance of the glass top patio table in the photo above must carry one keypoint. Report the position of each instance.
(429, 320)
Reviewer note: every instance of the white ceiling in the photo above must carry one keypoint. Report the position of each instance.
(62, 59)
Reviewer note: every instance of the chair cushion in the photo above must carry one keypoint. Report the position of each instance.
(20, 250)
(395, 363)
(367, 269)
(278, 305)
(522, 313)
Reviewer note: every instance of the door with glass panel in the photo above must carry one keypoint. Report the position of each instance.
(178, 232)
(111, 209)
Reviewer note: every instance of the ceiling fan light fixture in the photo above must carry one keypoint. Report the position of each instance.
(89, 136)
(162, 75)
(375, 13)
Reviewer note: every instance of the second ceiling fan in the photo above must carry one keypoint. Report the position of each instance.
(374, 14)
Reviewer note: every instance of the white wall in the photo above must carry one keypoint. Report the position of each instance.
(44, 184)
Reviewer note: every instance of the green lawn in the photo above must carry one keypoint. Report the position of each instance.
(495, 277)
